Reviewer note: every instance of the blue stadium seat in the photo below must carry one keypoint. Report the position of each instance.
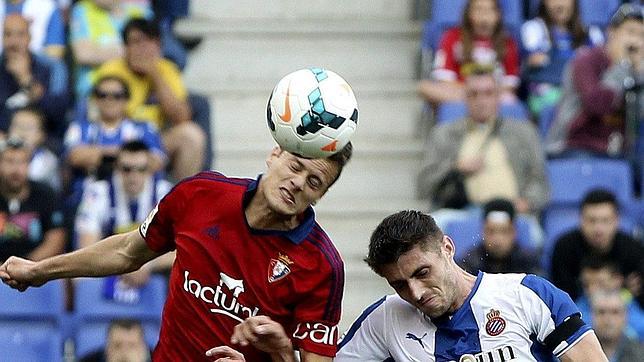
(453, 111)
(91, 305)
(91, 336)
(597, 12)
(42, 304)
(25, 341)
(570, 179)
(467, 234)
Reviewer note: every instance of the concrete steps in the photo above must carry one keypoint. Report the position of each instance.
(249, 45)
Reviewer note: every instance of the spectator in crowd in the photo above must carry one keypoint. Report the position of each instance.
(591, 117)
(484, 156)
(121, 203)
(46, 24)
(125, 343)
(27, 79)
(598, 234)
(609, 320)
(598, 274)
(550, 40)
(28, 125)
(481, 39)
(158, 95)
(31, 221)
(95, 38)
(92, 144)
(499, 251)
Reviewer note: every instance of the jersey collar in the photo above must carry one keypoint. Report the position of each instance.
(297, 235)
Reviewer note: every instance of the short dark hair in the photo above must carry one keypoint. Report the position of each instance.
(499, 204)
(599, 196)
(341, 158)
(148, 27)
(134, 146)
(399, 233)
(596, 262)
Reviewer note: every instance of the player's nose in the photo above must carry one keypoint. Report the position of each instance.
(416, 290)
(298, 181)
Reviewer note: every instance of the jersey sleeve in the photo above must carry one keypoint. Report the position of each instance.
(158, 227)
(78, 24)
(511, 64)
(446, 66)
(172, 76)
(365, 340)
(551, 315)
(55, 29)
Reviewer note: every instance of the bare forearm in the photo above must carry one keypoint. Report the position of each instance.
(103, 258)
(85, 157)
(439, 92)
(88, 53)
(176, 110)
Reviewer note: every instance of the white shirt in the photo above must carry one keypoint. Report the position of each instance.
(506, 317)
(102, 209)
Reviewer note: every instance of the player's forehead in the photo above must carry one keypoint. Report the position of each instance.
(322, 167)
(408, 264)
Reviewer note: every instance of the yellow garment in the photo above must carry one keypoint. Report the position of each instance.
(143, 103)
(496, 178)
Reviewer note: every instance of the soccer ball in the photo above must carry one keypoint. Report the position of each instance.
(312, 113)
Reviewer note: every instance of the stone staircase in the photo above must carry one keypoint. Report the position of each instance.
(249, 45)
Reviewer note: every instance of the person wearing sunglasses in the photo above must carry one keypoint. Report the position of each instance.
(121, 202)
(92, 144)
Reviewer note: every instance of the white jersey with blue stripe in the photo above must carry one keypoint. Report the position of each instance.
(506, 317)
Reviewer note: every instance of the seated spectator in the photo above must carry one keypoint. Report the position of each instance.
(591, 117)
(125, 343)
(28, 125)
(46, 25)
(609, 319)
(484, 155)
(499, 251)
(27, 79)
(93, 143)
(158, 95)
(481, 40)
(597, 234)
(95, 27)
(122, 202)
(550, 40)
(598, 274)
(31, 219)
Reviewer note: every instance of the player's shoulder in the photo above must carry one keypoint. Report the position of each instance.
(323, 242)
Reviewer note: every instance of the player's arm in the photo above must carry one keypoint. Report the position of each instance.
(587, 349)
(116, 254)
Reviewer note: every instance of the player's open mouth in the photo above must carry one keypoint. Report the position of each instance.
(287, 196)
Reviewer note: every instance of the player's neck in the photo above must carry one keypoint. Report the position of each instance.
(464, 285)
(260, 216)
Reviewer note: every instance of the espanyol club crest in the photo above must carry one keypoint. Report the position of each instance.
(279, 268)
(495, 324)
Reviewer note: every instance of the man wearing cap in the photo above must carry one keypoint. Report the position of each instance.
(591, 118)
(499, 252)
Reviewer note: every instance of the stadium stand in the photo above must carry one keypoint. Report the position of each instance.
(452, 111)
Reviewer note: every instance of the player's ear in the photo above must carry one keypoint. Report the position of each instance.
(448, 245)
(275, 152)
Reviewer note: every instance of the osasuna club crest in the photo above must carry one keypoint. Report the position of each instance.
(279, 268)
(495, 324)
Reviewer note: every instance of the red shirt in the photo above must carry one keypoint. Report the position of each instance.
(226, 271)
(449, 57)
